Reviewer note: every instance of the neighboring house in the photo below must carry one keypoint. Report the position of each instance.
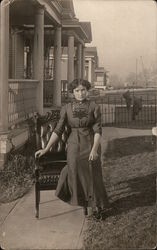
(28, 31)
(91, 63)
(94, 73)
(100, 78)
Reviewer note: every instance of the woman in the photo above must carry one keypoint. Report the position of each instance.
(81, 181)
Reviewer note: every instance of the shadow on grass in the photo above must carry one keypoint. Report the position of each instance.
(142, 192)
(129, 146)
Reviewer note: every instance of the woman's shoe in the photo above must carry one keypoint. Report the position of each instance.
(102, 213)
(97, 213)
(106, 212)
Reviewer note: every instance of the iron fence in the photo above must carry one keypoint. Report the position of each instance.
(141, 112)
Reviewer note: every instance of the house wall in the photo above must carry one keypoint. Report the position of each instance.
(93, 72)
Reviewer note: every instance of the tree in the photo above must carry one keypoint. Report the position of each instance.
(116, 81)
(131, 79)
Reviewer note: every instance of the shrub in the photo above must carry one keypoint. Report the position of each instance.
(18, 175)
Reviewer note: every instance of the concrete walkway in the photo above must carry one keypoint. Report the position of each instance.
(60, 226)
(111, 132)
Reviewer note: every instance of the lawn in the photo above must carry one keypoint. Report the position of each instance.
(129, 171)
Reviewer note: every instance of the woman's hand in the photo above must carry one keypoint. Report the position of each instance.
(40, 152)
(93, 155)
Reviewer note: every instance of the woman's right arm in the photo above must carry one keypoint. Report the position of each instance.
(56, 133)
(52, 140)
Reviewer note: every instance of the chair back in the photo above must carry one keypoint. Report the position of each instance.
(44, 126)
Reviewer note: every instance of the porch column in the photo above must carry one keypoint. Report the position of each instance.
(38, 56)
(70, 75)
(79, 60)
(57, 68)
(4, 65)
(17, 54)
(83, 62)
(5, 144)
(89, 69)
(29, 62)
(46, 61)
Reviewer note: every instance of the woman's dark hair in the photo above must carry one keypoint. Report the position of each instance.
(75, 83)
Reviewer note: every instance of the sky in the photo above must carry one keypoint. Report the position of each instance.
(124, 32)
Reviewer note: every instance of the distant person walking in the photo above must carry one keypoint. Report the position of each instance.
(137, 107)
(128, 99)
(136, 104)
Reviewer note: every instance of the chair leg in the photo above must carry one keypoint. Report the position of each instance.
(37, 200)
(85, 210)
(39, 196)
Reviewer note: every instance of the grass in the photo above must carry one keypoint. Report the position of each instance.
(17, 176)
(129, 172)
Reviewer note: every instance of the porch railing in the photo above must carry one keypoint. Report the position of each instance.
(48, 92)
(22, 100)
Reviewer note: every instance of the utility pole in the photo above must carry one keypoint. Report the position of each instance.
(105, 77)
(136, 71)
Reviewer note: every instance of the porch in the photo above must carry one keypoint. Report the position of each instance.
(28, 40)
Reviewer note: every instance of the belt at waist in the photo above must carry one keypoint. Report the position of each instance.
(77, 128)
(82, 130)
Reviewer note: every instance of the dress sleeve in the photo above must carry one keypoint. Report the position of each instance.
(97, 120)
(61, 123)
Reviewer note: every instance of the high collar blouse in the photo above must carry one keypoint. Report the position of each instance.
(80, 115)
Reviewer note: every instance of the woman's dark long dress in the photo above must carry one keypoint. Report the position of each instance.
(77, 184)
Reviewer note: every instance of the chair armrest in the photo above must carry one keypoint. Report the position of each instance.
(49, 162)
(51, 157)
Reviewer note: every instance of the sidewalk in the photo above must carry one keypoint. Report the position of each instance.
(112, 132)
(59, 226)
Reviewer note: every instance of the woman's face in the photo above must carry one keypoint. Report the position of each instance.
(80, 93)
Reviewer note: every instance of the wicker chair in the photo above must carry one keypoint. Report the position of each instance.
(49, 166)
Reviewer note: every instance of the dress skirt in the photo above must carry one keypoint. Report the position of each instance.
(81, 181)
